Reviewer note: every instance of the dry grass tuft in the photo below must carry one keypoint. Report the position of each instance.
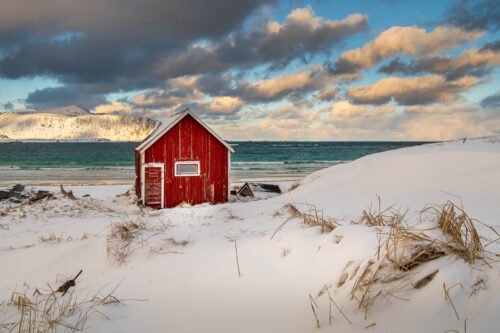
(421, 254)
(46, 312)
(126, 236)
(459, 229)
(291, 210)
(379, 218)
(120, 238)
(312, 217)
(51, 238)
(406, 249)
(403, 252)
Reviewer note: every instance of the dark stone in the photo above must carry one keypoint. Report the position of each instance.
(39, 195)
(44, 193)
(4, 195)
(18, 188)
(18, 195)
(86, 195)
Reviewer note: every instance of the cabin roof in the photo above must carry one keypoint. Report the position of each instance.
(170, 122)
(260, 188)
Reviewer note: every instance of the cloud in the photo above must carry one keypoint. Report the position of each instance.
(447, 126)
(410, 91)
(282, 85)
(493, 46)
(105, 46)
(224, 104)
(492, 102)
(290, 111)
(482, 15)
(328, 94)
(439, 121)
(62, 96)
(173, 93)
(113, 20)
(115, 108)
(293, 85)
(270, 43)
(470, 62)
(218, 95)
(347, 121)
(440, 108)
(8, 106)
(402, 40)
(286, 118)
(345, 109)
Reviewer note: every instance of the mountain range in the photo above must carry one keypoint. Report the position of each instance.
(73, 123)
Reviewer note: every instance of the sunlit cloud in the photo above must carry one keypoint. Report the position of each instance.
(402, 40)
(408, 91)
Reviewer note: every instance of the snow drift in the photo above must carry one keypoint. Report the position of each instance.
(337, 261)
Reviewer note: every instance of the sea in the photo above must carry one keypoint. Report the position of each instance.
(108, 163)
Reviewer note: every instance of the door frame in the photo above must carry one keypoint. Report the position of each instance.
(143, 181)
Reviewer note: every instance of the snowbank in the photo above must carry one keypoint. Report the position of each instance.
(180, 270)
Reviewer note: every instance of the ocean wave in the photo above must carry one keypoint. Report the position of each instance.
(290, 162)
(61, 168)
(257, 162)
(315, 162)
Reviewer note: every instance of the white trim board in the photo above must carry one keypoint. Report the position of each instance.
(143, 182)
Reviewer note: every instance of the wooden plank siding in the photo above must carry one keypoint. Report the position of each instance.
(153, 186)
(188, 140)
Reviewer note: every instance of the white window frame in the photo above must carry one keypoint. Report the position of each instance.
(197, 163)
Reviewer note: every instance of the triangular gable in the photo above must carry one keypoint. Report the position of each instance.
(245, 191)
(170, 123)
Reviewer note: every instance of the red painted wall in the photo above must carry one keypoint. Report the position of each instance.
(190, 141)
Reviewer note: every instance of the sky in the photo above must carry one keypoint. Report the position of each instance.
(263, 69)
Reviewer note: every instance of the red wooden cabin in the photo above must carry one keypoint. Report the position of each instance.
(182, 161)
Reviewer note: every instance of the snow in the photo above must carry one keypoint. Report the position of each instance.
(74, 126)
(182, 276)
(71, 110)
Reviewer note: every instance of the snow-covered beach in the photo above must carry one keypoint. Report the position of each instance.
(257, 266)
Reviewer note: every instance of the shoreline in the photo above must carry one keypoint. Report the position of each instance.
(89, 163)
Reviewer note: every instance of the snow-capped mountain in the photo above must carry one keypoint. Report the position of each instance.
(73, 123)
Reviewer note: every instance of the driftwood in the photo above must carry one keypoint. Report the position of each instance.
(67, 194)
(68, 284)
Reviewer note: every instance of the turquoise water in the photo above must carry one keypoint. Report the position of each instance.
(113, 162)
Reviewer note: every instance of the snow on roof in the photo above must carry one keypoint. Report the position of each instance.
(259, 190)
(258, 187)
(170, 122)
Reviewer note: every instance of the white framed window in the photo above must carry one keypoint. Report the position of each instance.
(187, 168)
